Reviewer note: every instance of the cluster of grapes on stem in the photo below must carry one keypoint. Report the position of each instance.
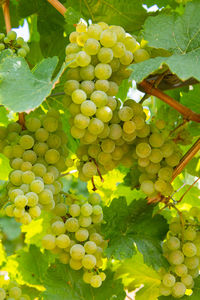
(98, 57)
(37, 156)
(13, 291)
(75, 236)
(182, 250)
(15, 45)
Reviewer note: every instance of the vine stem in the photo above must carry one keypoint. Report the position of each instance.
(186, 112)
(188, 190)
(58, 6)
(186, 158)
(6, 14)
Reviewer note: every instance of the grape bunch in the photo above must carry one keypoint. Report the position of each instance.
(37, 157)
(156, 155)
(182, 250)
(74, 236)
(16, 45)
(98, 57)
(12, 291)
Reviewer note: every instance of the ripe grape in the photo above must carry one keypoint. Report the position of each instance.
(77, 252)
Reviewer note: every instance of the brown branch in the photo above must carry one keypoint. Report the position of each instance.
(186, 112)
(188, 190)
(186, 158)
(6, 14)
(58, 6)
(93, 184)
(22, 120)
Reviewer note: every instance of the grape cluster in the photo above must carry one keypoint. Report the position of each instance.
(182, 250)
(16, 45)
(74, 236)
(37, 156)
(156, 155)
(98, 56)
(12, 291)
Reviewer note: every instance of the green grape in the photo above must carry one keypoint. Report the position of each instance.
(89, 261)
(79, 96)
(60, 209)
(97, 210)
(81, 27)
(96, 219)
(194, 272)
(81, 235)
(96, 238)
(14, 193)
(94, 198)
(16, 163)
(115, 64)
(175, 227)
(191, 262)
(119, 31)
(28, 177)
(50, 124)
(155, 156)
(52, 156)
(95, 126)
(2, 294)
(87, 73)
(108, 146)
(15, 292)
(176, 257)
(88, 139)
(178, 290)
(104, 158)
(87, 277)
(40, 148)
(35, 212)
(119, 50)
(25, 219)
(53, 170)
(127, 58)
(20, 201)
(30, 156)
(105, 55)
(152, 168)
(9, 210)
(143, 150)
(112, 103)
(16, 127)
(45, 197)
(100, 98)
(8, 151)
(86, 209)
(165, 173)
(93, 150)
(88, 108)
(33, 124)
(156, 140)
(181, 270)
(16, 177)
(189, 249)
(173, 160)
(147, 187)
(141, 55)
(39, 169)
(104, 114)
(115, 131)
(41, 135)
(96, 281)
(108, 38)
(77, 133)
(190, 234)
(94, 31)
(160, 185)
(21, 52)
(103, 71)
(17, 151)
(49, 242)
(89, 169)
(168, 280)
(77, 252)
(125, 113)
(187, 280)
(102, 85)
(164, 291)
(26, 141)
(103, 276)
(64, 258)
(105, 132)
(72, 225)
(48, 178)
(113, 89)
(58, 227)
(143, 162)
(62, 241)
(37, 186)
(130, 43)
(72, 48)
(167, 149)
(70, 86)
(74, 210)
(54, 141)
(90, 247)
(18, 212)
(85, 221)
(173, 243)
(92, 46)
(83, 59)
(88, 86)
(75, 264)
(73, 74)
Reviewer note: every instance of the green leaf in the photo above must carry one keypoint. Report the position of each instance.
(123, 90)
(10, 228)
(22, 89)
(3, 116)
(180, 36)
(192, 99)
(5, 168)
(63, 283)
(134, 224)
(2, 254)
(129, 14)
(134, 272)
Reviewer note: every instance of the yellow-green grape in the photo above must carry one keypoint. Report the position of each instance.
(127, 58)
(75, 264)
(143, 150)
(94, 31)
(90, 247)
(86, 209)
(165, 291)
(191, 262)
(175, 227)
(2, 294)
(46, 196)
(15, 292)
(37, 186)
(189, 249)
(89, 169)
(108, 38)
(176, 257)
(130, 43)
(33, 124)
(96, 281)
(190, 234)
(89, 261)
(94, 198)
(100, 98)
(62, 241)
(181, 270)
(168, 280)
(96, 238)
(178, 290)
(26, 141)
(25, 218)
(81, 235)
(87, 276)
(85, 221)
(105, 55)
(77, 252)
(187, 280)
(88, 108)
(104, 114)
(34, 212)
(58, 227)
(52, 156)
(20, 201)
(173, 243)
(41, 135)
(92, 46)
(87, 86)
(72, 225)
(16, 177)
(95, 126)
(102, 85)
(103, 71)
(49, 242)
(147, 187)
(74, 210)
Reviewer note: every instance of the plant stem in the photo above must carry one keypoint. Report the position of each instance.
(22, 120)
(6, 14)
(188, 190)
(186, 112)
(186, 158)
(58, 6)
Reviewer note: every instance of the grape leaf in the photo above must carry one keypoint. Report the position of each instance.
(63, 283)
(178, 34)
(134, 224)
(10, 228)
(129, 14)
(134, 272)
(22, 89)
(2, 254)
(192, 98)
(3, 116)
(5, 168)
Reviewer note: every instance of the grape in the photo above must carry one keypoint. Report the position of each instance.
(37, 186)
(88, 86)
(93, 150)
(105, 55)
(2, 294)
(18, 212)
(104, 114)
(96, 281)
(14, 193)
(79, 96)
(95, 126)
(26, 141)
(108, 146)
(88, 108)
(89, 261)
(125, 113)
(187, 280)
(30, 156)
(86, 209)
(88, 138)
(48, 178)
(140, 55)
(167, 149)
(173, 243)
(112, 103)
(72, 225)
(85, 221)
(97, 218)
(9, 210)
(75, 264)
(100, 98)
(127, 58)
(152, 168)
(165, 173)
(60, 209)
(194, 272)
(173, 160)
(102, 85)
(77, 252)
(87, 277)
(176, 257)
(94, 31)
(41, 135)
(191, 262)
(115, 131)
(143, 150)
(175, 227)
(52, 156)
(21, 201)
(16, 177)
(35, 212)
(108, 38)
(33, 124)
(74, 210)
(54, 141)
(58, 227)
(83, 59)
(49, 242)
(189, 249)
(28, 177)
(81, 235)
(40, 148)
(103, 71)
(72, 48)
(147, 187)
(160, 186)
(81, 27)
(45, 197)
(77, 133)
(90, 247)
(89, 169)
(63, 241)
(190, 234)
(168, 280)
(96, 238)
(15, 292)
(25, 218)
(130, 43)
(39, 169)
(64, 258)
(156, 140)
(94, 198)
(180, 270)
(91, 46)
(178, 290)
